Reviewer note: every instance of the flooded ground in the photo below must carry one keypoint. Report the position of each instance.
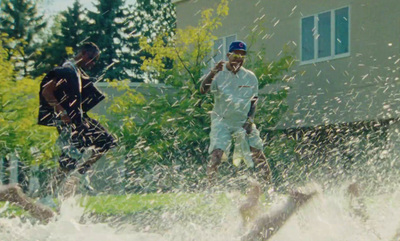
(329, 216)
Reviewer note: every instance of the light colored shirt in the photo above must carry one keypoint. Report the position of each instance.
(233, 94)
(71, 64)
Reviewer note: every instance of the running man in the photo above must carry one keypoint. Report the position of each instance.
(235, 91)
(66, 95)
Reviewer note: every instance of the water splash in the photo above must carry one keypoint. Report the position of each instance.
(327, 217)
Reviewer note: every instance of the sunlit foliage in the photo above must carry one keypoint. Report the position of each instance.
(19, 133)
(165, 130)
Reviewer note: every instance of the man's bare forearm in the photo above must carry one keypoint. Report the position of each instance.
(206, 82)
(253, 107)
(48, 95)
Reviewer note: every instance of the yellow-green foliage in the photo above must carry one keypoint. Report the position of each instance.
(171, 129)
(124, 105)
(19, 103)
(189, 49)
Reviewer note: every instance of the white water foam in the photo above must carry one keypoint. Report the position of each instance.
(67, 228)
(326, 218)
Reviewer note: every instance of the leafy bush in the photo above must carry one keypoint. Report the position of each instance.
(19, 133)
(166, 135)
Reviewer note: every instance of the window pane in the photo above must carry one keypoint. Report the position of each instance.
(324, 37)
(307, 38)
(218, 49)
(342, 31)
(228, 41)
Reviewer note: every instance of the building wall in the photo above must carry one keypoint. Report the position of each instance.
(359, 87)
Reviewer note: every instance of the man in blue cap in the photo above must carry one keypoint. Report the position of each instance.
(235, 91)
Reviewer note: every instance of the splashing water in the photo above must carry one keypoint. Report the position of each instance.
(66, 228)
(327, 217)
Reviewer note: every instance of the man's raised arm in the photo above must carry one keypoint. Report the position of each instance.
(207, 80)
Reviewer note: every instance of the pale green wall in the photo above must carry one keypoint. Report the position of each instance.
(326, 92)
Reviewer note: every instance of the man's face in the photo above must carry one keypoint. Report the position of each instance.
(236, 58)
(89, 59)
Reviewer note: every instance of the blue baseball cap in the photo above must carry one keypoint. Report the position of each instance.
(237, 45)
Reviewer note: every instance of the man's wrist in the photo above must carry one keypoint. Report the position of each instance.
(250, 120)
(214, 71)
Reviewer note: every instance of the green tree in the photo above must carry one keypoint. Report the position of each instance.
(23, 24)
(150, 19)
(74, 26)
(68, 31)
(169, 132)
(105, 29)
(130, 56)
(157, 17)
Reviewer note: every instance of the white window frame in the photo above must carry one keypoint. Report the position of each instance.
(224, 47)
(333, 40)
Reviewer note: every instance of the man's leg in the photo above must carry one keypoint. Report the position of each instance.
(261, 163)
(359, 209)
(269, 224)
(356, 202)
(251, 207)
(71, 151)
(73, 142)
(96, 136)
(14, 195)
(215, 161)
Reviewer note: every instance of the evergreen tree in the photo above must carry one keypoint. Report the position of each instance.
(107, 22)
(67, 33)
(20, 20)
(149, 18)
(157, 17)
(74, 26)
(131, 55)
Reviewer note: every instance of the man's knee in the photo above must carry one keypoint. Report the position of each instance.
(102, 142)
(67, 163)
(217, 154)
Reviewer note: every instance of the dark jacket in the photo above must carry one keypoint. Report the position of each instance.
(68, 95)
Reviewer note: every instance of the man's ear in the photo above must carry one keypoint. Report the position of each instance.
(228, 54)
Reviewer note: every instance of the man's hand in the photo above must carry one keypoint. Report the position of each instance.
(63, 114)
(248, 127)
(65, 118)
(218, 67)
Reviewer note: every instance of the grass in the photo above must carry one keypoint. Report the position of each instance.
(193, 203)
(11, 210)
(136, 203)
